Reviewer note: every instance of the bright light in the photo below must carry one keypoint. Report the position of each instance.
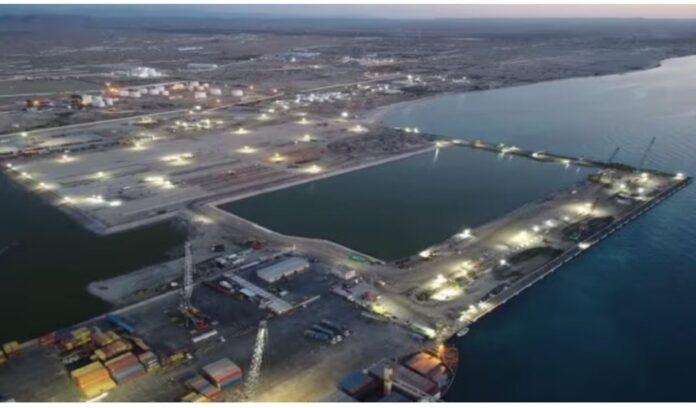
(566, 218)
(67, 200)
(65, 158)
(679, 176)
(24, 134)
(503, 262)
(536, 228)
(425, 254)
(344, 114)
(303, 121)
(277, 158)
(115, 203)
(550, 223)
(158, 181)
(202, 219)
(264, 116)
(464, 234)
(641, 190)
(358, 129)
(566, 162)
(584, 245)
(178, 159)
(246, 150)
(313, 169)
(8, 165)
(137, 146)
(241, 131)
(99, 175)
(26, 175)
(416, 130)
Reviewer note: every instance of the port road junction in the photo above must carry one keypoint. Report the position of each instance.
(392, 308)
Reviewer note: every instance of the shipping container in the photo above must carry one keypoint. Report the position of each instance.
(10, 348)
(223, 373)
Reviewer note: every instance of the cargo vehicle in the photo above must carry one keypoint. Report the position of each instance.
(340, 329)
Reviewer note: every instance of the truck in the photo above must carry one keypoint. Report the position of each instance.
(320, 336)
(328, 332)
(339, 329)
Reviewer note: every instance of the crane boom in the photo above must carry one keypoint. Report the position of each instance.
(256, 360)
(645, 153)
(187, 287)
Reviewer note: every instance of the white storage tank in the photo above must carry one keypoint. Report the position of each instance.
(134, 94)
(199, 95)
(238, 93)
(216, 91)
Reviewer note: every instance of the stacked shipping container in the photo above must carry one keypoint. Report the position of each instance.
(92, 379)
(124, 368)
(223, 373)
(203, 387)
(149, 360)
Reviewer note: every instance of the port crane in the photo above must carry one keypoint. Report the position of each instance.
(256, 360)
(190, 313)
(612, 156)
(645, 153)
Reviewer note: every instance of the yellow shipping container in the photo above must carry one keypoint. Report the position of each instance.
(194, 397)
(89, 379)
(10, 347)
(86, 369)
(99, 388)
(81, 332)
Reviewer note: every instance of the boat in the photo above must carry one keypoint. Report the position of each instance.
(463, 332)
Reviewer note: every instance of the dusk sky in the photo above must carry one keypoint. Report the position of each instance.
(384, 11)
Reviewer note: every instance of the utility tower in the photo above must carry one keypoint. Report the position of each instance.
(256, 360)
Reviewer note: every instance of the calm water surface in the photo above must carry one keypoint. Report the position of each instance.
(620, 322)
(396, 210)
(49, 260)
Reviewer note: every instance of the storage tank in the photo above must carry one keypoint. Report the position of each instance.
(123, 93)
(238, 93)
(216, 91)
(199, 95)
(134, 94)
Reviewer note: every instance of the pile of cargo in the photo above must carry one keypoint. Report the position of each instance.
(149, 360)
(429, 366)
(112, 349)
(101, 339)
(194, 397)
(223, 373)
(203, 387)
(92, 379)
(76, 338)
(10, 348)
(125, 367)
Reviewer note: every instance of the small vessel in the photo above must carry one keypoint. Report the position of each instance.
(463, 332)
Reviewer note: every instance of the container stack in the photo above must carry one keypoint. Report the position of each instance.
(203, 387)
(194, 397)
(149, 360)
(10, 348)
(92, 379)
(223, 373)
(48, 339)
(112, 349)
(125, 368)
(101, 339)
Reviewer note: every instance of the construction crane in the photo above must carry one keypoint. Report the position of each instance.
(187, 287)
(190, 313)
(645, 153)
(612, 156)
(256, 360)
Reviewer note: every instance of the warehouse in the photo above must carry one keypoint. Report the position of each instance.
(284, 268)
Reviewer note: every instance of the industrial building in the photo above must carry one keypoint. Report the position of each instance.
(282, 269)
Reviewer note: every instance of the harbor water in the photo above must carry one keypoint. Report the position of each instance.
(618, 323)
(47, 260)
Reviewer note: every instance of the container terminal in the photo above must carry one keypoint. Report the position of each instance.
(250, 314)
